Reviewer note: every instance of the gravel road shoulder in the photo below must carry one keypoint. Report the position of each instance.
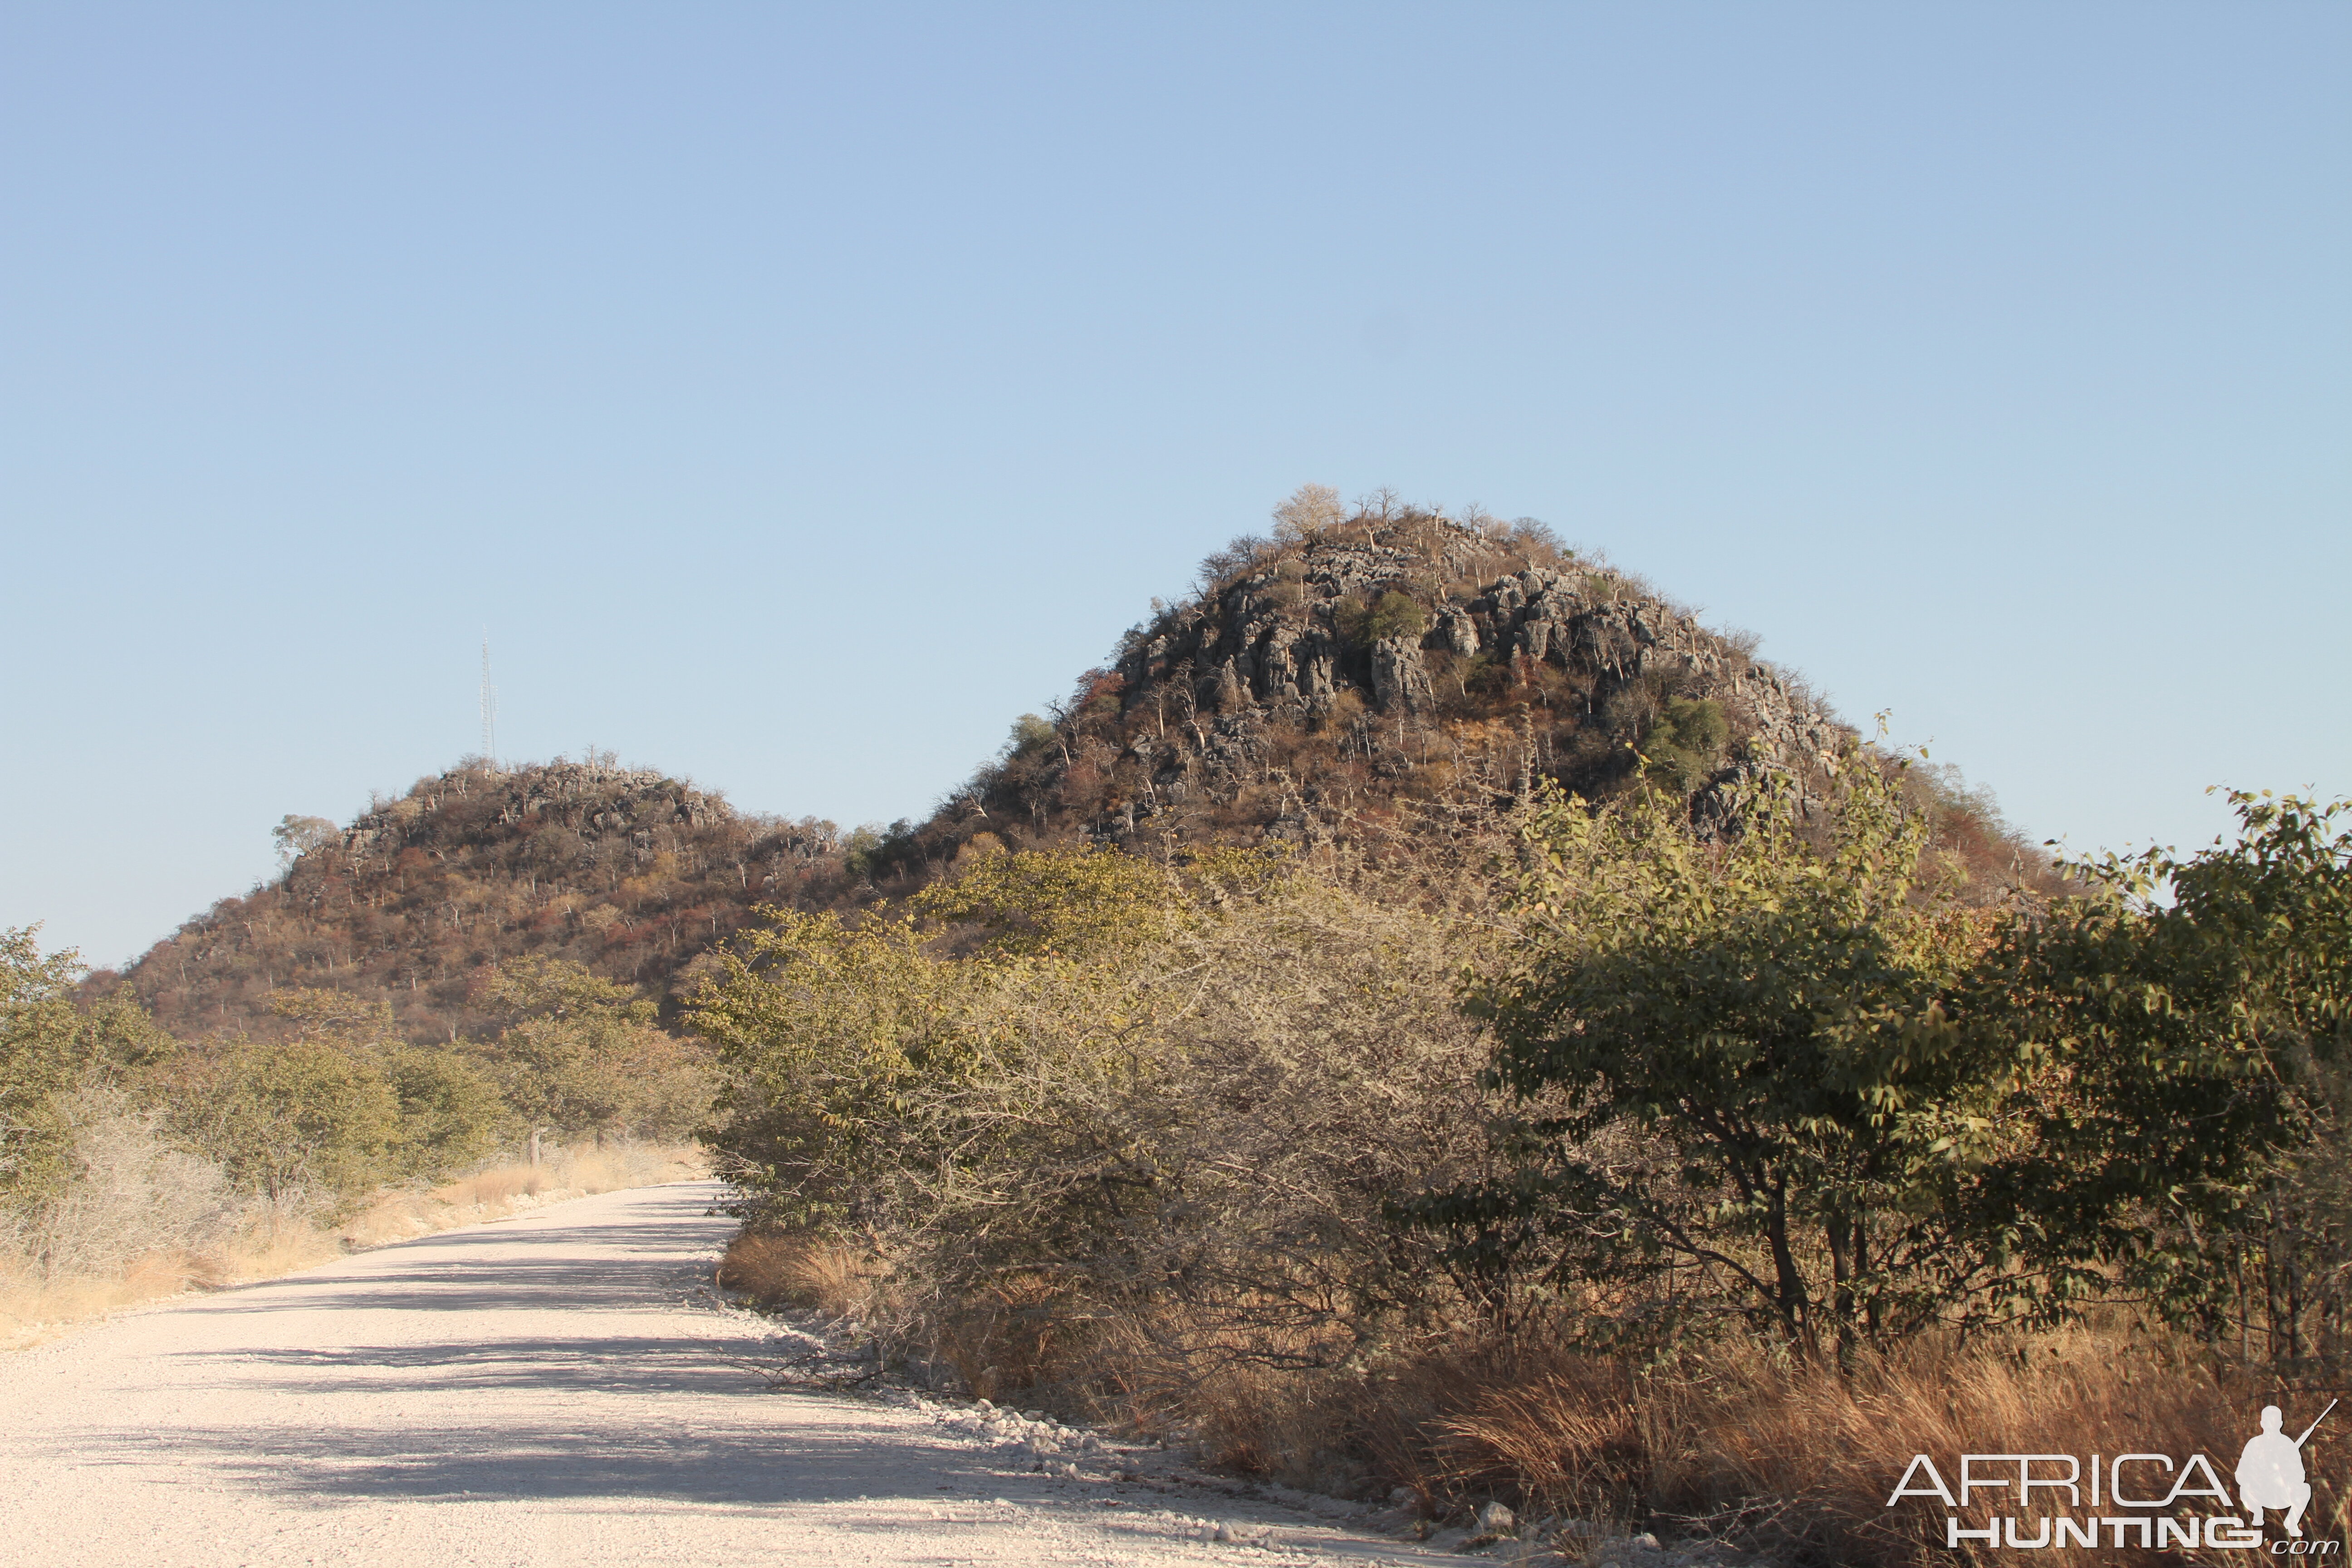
(558, 1388)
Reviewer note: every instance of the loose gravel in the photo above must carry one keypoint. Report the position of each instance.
(563, 1388)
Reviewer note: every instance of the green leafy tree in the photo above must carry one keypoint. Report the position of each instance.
(1754, 1093)
(1687, 743)
(342, 1107)
(450, 1114)
(37, 1024)
(827, 1029)
(2202, 1007)
(580, 1054)
(50, 1045)
(294, 1121)
(1394, 614)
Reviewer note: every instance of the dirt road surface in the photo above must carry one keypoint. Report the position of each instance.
(555, 1389)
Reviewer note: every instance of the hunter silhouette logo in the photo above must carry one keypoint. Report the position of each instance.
(2269, 1472)
(2147, 1501)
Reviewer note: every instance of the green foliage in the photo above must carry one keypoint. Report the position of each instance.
(578, 1054)
(823, 1026)
(1687, 743)
(50, 1045)
(848, 1041)
(293, 1120)
(1030, 735)
(37, 1064)
(872, 851)
(853, 1046)
(450, 1114)
(1766, 1104)
(533, 989)
(1041, 903)
(1395, 614)
(1794, 1076)
(336, 1017)
(2203, 1007)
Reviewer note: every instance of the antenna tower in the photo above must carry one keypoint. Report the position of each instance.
(489, 709)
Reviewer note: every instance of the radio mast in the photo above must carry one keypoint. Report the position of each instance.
(489, 709)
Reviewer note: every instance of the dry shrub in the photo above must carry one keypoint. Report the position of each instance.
(140, 1220)
(134, 1218)
(129, 1196)
(1302, 1429)
(1022, 1336)
(778, 1270)
(1795, 1458)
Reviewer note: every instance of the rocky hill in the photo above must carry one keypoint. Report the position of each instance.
(1375, 685)
(1366, 675)
(625, 870)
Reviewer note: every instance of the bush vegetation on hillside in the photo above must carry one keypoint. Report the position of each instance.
(1429, 1014)
(621, 871)
(121, 1147)
(1225, 1146)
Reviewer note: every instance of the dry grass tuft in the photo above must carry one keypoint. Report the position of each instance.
(1793, 1458)
(799, 1271)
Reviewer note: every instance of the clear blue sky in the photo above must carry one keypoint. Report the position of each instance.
(797, 396)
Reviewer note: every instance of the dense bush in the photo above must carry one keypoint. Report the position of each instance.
(1064, 1090)
(1805, 1084)
(1744, 1126)
(577, 1055)
(104, 1118)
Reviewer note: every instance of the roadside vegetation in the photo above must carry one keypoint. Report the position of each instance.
(135, 1164)
(1693, 1178)
(1431, 1022)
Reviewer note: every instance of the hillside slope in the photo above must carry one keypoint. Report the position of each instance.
(625, 870)
(1384, 680)
(1377, 685)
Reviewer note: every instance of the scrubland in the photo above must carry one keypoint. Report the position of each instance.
(142, 1219)
(1690, 1181)
(1738, 1441)
(1433, 1023)
(135, 1164)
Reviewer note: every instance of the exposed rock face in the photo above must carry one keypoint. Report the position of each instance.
(599, 810)
(1387, 681)
(1399, 676)
(1394, 664)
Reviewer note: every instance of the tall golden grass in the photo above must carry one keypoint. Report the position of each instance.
(778, 1270)
(1799, 1458)
(1792, 1458)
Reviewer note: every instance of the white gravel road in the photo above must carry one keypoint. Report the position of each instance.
(553, 1389)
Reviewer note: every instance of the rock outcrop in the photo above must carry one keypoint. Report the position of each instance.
(1385, 667)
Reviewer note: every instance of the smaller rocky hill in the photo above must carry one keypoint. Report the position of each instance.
(625, 870)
